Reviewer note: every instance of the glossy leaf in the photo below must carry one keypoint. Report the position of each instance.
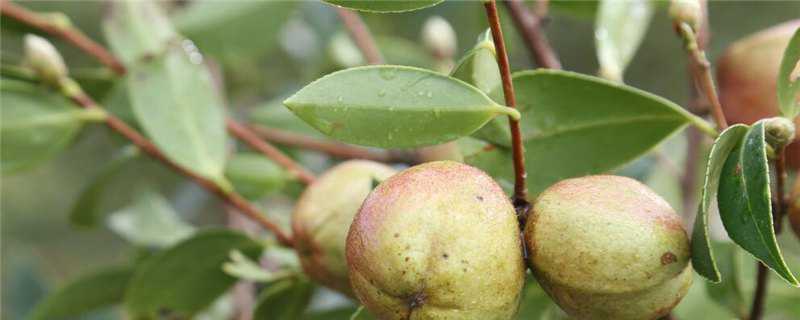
(789, 79)
(186, 278)
(619, 30)
(284, 300)
(576, 124)
(744, 201)
(87, 211)
(225, 29)
(393, 106)
(136, 30)
(728, 292)
(36, 123)
(384, 6)
(254, 176)
(171, 91)
(494, 160)
(149, 222)
(85, 294)
(703, 260)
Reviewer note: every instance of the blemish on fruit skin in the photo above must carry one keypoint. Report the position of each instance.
(480, 198)
(667, 258)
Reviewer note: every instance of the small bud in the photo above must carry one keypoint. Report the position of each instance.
(686, 11)
(44, 59)
(439, 37)
(779, 132)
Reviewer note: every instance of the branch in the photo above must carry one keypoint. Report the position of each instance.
(529, 26)
(701, 70)
(360, 35)
(332, 148)
(76, 94)
(77, 38)
(520, 190)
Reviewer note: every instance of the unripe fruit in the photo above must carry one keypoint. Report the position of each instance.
(437, 241)
(747, 74)
(607, 247)
(323, 215)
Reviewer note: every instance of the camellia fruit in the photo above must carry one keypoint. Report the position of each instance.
(437, 241)
(747, 75)
(608, 247)
(323, 215)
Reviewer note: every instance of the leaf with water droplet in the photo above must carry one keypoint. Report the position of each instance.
(411, 99)
(384, 6)
(702, 252)
(619, 29)
(788, 81)
(744, 201)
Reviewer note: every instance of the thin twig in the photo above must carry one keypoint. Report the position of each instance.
(66, 32)
(701, 70)
(760, 295)
(331, 148)
(252, 139)
(529, 26)
(74, 93)
(520, 189)
(360, 35)
(77, 38)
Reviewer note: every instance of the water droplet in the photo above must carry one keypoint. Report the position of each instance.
(429, 94)
(390, 136)
(391, 109)
(421, 93)
(388, 74)
(340, 99)
(382, 93)
(437, 113)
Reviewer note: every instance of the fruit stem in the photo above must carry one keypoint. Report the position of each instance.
(520, 201)
(529, 26)
(360, 35)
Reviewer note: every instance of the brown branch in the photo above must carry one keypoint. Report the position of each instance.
(360, 35)
(529, 26)
(520, 189)
(331, 148)
(252, 139)
(67, 33)
(701, 71)
(77, 38)
(760, 295)
(80, 98)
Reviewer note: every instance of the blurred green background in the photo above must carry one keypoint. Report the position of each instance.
(40, 249)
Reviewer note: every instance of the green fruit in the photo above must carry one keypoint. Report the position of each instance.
(323, 215)
(437, 241)
(608, 247)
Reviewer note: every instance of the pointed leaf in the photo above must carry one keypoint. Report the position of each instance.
(36, 123)
(254, 176)
(284, 300)
(83, 295)
(577, 124)
(186, 278)
(86, 211)
(619, 29)
(393, 106)
(149, 222)
(744, 202)
(703, 260)
(171, 91)
(789, 79)
(384, 6)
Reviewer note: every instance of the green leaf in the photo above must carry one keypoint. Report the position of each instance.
(393, 106)
(585, 9)
(254, 176)
(286, 299)
(136, 30)
(36, 124)
(728, 292)
(343, 313)
(85, 294)
(703, 260)
(171, 91)
(225, 29)
(86, 211)
(186, 278)
(494, 160)
(744, 201)
(619, 30)
(384, 6)
(789, 79)
(535, 302)
(150, 222)
(577, 124)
